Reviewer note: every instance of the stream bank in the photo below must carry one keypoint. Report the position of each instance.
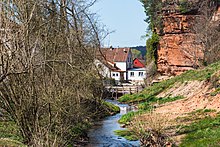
(102, 133)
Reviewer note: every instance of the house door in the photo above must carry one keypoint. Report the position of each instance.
(122, 76)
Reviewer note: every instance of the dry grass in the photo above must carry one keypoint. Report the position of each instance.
(151, 128)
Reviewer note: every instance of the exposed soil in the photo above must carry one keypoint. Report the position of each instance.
(197, 96)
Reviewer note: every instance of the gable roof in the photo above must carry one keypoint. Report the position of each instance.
(137, 63)
(115, 54)
(111, 66)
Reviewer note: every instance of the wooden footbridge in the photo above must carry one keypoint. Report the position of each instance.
(117, 91)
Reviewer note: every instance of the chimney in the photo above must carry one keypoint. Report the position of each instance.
(111, 48)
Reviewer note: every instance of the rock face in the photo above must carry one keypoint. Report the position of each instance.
(216, 15)
(177, 51)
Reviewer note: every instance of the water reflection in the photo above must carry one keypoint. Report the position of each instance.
(102, 134)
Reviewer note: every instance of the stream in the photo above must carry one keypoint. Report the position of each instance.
(102, 134)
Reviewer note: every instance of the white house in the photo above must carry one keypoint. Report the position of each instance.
(117, 63)
(137, 75)
(108, 69)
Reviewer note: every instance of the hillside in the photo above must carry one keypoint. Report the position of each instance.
(189, 102)
(142, 49)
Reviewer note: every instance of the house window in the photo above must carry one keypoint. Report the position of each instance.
(116, 74)
(113, 74)
(140, 74)
(132, 74)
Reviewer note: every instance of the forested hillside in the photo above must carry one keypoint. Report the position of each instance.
(139, 51)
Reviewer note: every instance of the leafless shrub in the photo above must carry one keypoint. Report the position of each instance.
(151, 129)
(151, 72)
(48, 83)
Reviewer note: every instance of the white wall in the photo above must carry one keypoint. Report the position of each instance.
(115, 75)
(121, 65)
(103, 70)
(125, 75)
(106, 72)
(136, 76)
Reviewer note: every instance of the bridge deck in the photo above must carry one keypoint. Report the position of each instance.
(125, 89)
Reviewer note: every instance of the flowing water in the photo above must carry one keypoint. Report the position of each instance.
(102, 134)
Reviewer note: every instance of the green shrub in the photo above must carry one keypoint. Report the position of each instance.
(187, 6)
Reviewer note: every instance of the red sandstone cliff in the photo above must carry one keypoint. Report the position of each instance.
(177, 51)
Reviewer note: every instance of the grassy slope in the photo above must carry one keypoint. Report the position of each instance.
(153, 91)
(205, 136)
(202, 133)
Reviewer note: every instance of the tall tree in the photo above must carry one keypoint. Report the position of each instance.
(153, 10)
(48, 83)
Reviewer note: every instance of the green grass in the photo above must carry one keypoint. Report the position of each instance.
(155, 89)
(146, 107)
(214, 93)
(201, 112)
(126, 118)
(9, 134)
(111, 106)
(202, 124)
(127, 134)
(80, 129)
(203, 133)
(6, 142)
(148, 104)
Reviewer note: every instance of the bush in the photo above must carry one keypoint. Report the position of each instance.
(150, 128)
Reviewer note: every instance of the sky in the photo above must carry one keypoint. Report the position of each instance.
(125, 18)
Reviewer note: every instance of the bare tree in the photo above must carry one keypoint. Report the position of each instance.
(48, 83)
(207, 30)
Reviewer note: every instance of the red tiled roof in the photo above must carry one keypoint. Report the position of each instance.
(115, 54)
(137, 63)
